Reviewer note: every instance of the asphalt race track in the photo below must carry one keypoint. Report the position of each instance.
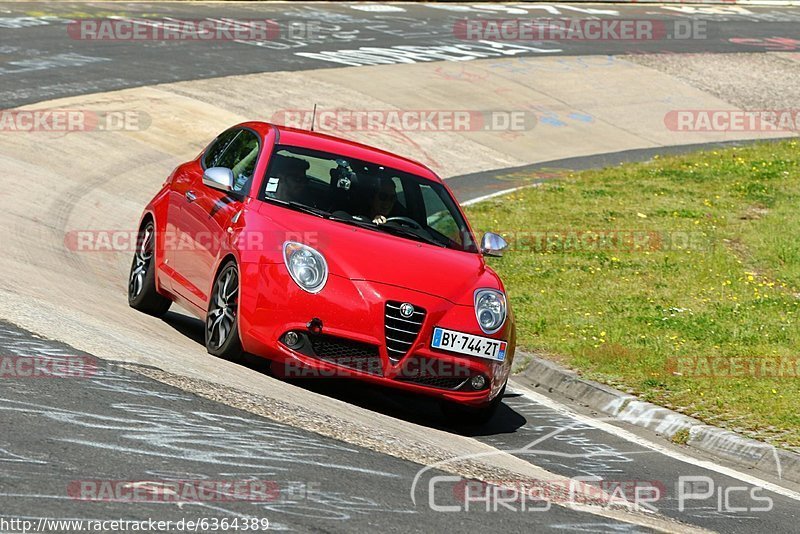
(331, 456)
(315, 483)
(41, 60)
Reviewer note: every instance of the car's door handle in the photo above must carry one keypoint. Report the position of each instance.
(190, 196)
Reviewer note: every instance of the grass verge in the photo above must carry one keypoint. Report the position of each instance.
(677, 280)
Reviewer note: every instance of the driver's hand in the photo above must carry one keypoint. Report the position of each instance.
(380, 219)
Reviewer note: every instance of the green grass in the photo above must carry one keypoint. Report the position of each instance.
(709, 268)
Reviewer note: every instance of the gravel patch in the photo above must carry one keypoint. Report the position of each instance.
(755, 81)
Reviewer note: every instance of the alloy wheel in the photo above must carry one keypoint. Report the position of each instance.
(141, 261)
(224, 306)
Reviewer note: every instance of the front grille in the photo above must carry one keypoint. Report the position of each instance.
(348, 353)
(401, 332)
(434, 373)
(441, 382)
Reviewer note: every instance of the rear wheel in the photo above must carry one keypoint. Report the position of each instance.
(142, 294)
(466, 416)
(222, 330)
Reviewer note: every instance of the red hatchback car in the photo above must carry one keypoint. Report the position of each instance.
(329, 258)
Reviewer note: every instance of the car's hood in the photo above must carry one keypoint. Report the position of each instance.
(363, 254)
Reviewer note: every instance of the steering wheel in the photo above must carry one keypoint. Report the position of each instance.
(410, 222)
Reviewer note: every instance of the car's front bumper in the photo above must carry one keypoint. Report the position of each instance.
(352, 315)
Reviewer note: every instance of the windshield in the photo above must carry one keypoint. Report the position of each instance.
(366, 194)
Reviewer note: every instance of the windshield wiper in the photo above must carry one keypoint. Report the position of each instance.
(410, 233)
(299, 206)
(350, 220)
(392, 229)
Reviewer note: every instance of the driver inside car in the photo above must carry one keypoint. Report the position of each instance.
(292, 179)
(382, 201)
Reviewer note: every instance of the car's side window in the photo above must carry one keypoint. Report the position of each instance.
(217, 148)
(437, 215)
(401, 194)
(238, 152)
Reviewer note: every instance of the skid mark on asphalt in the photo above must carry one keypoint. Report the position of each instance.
(50, 62)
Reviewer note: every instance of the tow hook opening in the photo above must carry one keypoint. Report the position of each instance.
(315, 326)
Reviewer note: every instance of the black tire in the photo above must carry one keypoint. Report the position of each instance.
(142, 294)
(458, 415)
(222, 324)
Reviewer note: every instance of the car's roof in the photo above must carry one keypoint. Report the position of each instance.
(336, 145)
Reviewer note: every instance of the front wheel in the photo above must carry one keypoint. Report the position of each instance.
(142, 294)
(222, 325)
(466, 416)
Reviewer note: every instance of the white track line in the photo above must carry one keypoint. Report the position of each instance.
(538, 398)
(492, 195)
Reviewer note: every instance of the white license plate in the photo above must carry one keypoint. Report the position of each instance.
(482, 347)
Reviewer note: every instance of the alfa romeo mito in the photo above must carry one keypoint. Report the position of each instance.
(331, 259)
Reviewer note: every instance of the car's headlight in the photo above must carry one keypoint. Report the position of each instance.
(307, 267)
(490, 309)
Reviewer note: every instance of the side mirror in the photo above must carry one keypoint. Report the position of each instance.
(493, 245)
(219, 178)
